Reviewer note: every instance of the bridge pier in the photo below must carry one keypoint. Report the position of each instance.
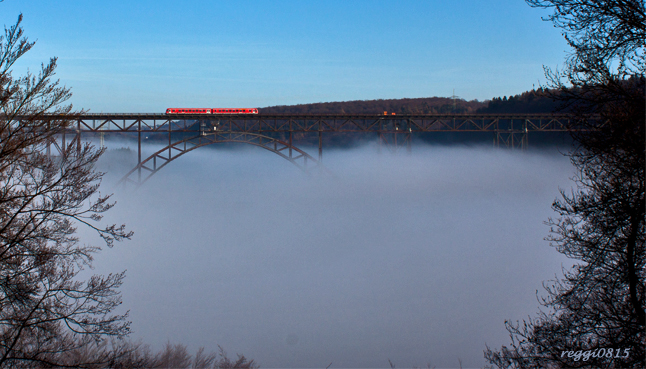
(513, 138)
(139, 154)
(320, 146)
(391, 133)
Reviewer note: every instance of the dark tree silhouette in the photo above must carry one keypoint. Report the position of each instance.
(594, 315)
(46, 315)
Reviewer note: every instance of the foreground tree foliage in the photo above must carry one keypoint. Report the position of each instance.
(595, 314)
(46, 314)
(127, 355)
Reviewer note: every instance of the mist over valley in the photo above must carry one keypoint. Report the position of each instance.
(415, 258)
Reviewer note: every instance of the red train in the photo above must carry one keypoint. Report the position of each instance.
(211, 111)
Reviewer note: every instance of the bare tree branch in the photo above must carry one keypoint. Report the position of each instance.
(45, 312)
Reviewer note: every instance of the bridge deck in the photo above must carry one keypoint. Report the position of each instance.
(154, 122)
(178, 134)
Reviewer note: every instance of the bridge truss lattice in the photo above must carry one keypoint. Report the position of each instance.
(181, 134)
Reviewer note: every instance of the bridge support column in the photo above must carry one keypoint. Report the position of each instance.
(139, 155)
(409, 137)
(512, 138)
(320, 145)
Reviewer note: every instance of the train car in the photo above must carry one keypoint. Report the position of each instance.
(187, 111)
(212, 111)
(234, 111)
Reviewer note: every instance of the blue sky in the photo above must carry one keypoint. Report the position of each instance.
(146, 56)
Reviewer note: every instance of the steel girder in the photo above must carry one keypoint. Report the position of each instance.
(130, 123)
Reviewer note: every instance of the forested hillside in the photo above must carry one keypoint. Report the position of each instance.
(533, 101)
(425, 105)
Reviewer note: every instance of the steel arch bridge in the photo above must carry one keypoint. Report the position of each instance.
(148, 167)
(179, 134)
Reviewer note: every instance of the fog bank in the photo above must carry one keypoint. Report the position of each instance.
(414, 258)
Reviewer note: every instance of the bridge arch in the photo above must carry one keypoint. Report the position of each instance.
(155, 162)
